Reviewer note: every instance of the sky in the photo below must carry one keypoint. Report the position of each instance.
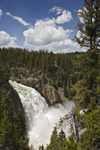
(39, 24)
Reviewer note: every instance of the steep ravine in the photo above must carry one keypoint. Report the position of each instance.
(38, 115)
(51, 95)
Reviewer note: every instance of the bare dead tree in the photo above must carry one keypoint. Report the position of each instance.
(70, 121)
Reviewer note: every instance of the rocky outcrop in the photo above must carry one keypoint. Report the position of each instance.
(40, 83)
(61, 93)
(81, 134)
(4, 88)
(51, 95)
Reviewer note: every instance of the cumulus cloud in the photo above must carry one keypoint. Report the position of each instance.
(1, 13)
(18, 19)
(65, 50)
(65, 17)
(57, 9)
(6, 40)
(45, 34)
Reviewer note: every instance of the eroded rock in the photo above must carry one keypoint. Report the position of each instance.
(40, 83)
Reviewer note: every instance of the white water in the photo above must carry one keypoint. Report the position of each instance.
(40, 119)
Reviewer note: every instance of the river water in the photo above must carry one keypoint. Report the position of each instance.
(40, 119)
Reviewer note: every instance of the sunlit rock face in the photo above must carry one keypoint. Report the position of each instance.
(40, 119)
(41, 85)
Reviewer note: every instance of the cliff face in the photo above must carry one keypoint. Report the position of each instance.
(47, 91)
(4, 88)
(40, 83)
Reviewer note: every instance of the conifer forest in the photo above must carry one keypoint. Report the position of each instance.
(78, 73)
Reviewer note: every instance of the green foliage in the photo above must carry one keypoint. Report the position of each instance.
(62, 73)
(71, 144)
(88, 64)
(12, 129)
(92, 105)
(61, 139)
(6, 104)
(59, 67)
(53, 141)
(89, 120)
(57, 140)
(86, 90)
(92, 134)
(41, 147)
(20, 123)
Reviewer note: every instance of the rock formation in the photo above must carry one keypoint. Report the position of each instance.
(4, 88)
(40, 83)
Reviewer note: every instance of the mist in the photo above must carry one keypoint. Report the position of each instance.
(40, 119)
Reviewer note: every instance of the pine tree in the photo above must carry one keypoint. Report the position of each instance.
(89, 29)
(12, 128)
(57, 141)
(6, 104)
(7, 128)
(20, 124)
(91, 138)
(61, 139)
(71, 144)
(53, 140)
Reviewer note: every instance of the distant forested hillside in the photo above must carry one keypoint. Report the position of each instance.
(59, 68)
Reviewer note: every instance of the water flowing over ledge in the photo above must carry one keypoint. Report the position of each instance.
(40, 119)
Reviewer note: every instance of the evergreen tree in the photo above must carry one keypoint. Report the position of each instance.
(57, 141)
(61, 139)
(91, 138)
(53, 140)
(6, 104)
(89, 29)
(12, 129)
(20, 124)
(41, 147)
(71, 144)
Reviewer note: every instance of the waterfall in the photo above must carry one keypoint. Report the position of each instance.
(40, 119)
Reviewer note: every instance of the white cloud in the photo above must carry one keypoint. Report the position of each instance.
(1, 13)
(78, 34)
(18, 19)
(45, 34)
(79, 15)
(65, 50)
(6, 40)
(65, 17)
(57, 9)
(79, 48)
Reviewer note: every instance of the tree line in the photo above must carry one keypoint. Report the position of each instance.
(80, 71)
(59, 68)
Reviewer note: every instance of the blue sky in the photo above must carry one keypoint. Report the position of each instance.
(39, 24)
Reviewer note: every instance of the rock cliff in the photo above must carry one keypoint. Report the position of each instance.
(41, 84)
(4, 88)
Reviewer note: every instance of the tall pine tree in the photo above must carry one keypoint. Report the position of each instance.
(89, 29)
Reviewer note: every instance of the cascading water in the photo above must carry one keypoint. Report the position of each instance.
(40, 119)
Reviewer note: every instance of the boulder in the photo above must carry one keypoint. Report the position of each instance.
(51, 95)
